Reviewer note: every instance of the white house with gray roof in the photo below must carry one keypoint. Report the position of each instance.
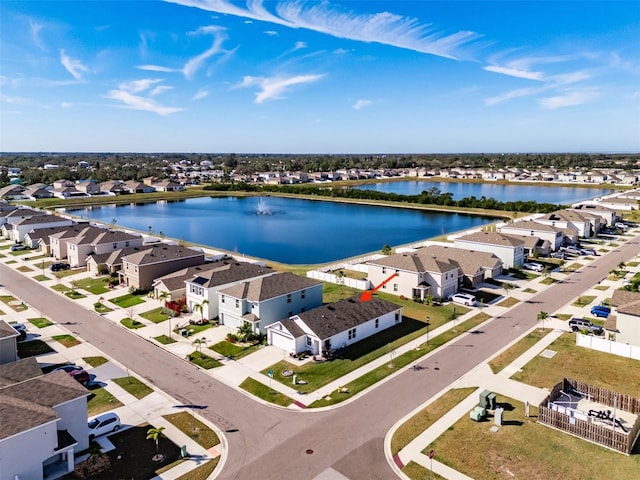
(508, 248)
(16, 231)
(473, 266)
(585, 223)
(334, 325)
(625, 317)
(98, 242)
(8, 343)
(416, 274)
(529, 228)
(202, 286)
(266, 300)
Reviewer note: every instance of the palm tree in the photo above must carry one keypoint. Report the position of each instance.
(198, 342)
(245, 331)
(204, 302)
(163, 295)
(197, 307)
(155, 434)
(507, 287)
(541, 317)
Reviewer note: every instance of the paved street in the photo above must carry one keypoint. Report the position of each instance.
(267, 442)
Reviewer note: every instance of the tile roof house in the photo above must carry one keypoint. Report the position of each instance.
(508, 248)
(202, 286)
(626, 316)
(335, 325)
(417, 274)
(44, 415)
(265, 300)
(141, 268)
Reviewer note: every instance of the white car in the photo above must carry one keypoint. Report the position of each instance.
(104, 423)
(536, 267)
(464, 299)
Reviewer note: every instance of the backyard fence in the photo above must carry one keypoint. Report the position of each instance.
(331, 278)
(609, 346)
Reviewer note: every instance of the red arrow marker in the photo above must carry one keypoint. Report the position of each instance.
(367, 295)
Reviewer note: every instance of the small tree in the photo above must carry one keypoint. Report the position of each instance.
(541, 317)
(386, 250)
(245, 332)
(155, 434)
(163, 295)
(198, 342)
(507, 287)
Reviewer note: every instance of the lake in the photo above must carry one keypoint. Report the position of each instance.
(499, 191)
(285, 230)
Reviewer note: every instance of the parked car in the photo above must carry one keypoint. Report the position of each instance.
(18, 247)
(464, 299)
(600, 311)
(588, 251)
(78, 373)
(621, 226)
(104, 423)
(56, 267)
(21, 328)
(578, 324)
(560, 255)
(536, 267)
(571, 249)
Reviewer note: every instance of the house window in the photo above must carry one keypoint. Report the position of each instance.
(351, 334)
(289, 298)
(302, 294)
(398, 273)
(395, 287)
(115, 245)
(377, 323)
(308, 341)
(384, 287)
(221, 298)
(397, 317)
(384, 270)
(237, 303)
(126, 244)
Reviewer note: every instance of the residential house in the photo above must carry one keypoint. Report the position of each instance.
(44, 422)
(58, 241)
(90, 186)
(133, 186)
(585, 223)
(536, 246)
(624, 320)
(334, 325)
(10, 216)
(112, 187)
(110, 262)
(140, 269)
(5, 208)
(508, 248)
(168, 186)
(266, 300)
(607, 216)
(20, 228)
(39, 237)
(8, 344)
(98, 241)
(529, 228)
(415, 274)
(37, 191)
(13, 192)
(202, 286)
(619, 203)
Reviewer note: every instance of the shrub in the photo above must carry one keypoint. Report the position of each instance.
(103, 269)
(232, 337)
(137, 291)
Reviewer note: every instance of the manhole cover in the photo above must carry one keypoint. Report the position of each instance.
(287, 373)
(309, 451)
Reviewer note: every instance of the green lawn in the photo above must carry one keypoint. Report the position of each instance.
(24, 269)
(415, 471)
(508, 302)
(132, 324)
(13, 303)
(95, 361)
(127, 300)
(39, 322)
(529, 290)
(583, 300)
(164, 340)
(523, 448)
(193, 428)
(60, 287)
(232, 350)
(263, 391)
(517, 349)
(68, 273)
(157, 315)
(101, 401)
(67, 340)
(572, 267)
(548, 281)
(101, 308)
(202, 472)
(97, 286)
(41, 278)
(33, 348)
(203, 361)
(74, 294)
(598, 368)
(563, 316)
(426, 417)
(133, 386)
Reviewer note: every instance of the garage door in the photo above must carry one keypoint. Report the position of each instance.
(280, 341)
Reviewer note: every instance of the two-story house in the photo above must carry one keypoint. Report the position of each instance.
(266, 300)
(529, 228)
(415, 275)
(99, 242)
(20, 228)
(335, 325)
(624, 320)
(507, 248)
(203, 285)
(585, 223)
(473, 266)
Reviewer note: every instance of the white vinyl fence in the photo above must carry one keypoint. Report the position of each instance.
(609, 346)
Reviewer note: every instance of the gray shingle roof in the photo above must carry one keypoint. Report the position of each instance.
(626, 302)
(43, 218)
(418, 261)
(159, 253)
(342, 315)
(270, 287)
(18, 371)
(227, 272)
(110, 236)
(531, 225)
(6, 330)
(469, 261)
(492, 238)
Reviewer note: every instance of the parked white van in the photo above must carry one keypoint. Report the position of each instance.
(464, 299)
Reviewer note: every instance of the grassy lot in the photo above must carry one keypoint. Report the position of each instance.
(164, 340)
(97, 286)
(263, 391)
(60, 287)
(101, 401)
(598, 368)
(400, 361)
(602, 288)
(68, 273)
(95, 361)
(101, 308)
(583, 300)
(41, 278)
(415, 471)
(132, 324)
(13, 303)
(192, 329)
(486, 297)
(194, 428)
(20, 253)
(33, 348)
(508, 302)
(134, 386)
(633, 264)
(529, 290)
(39, 322)
(67, 340)
(548, 281)
(523, 448)
(563, 316)
(202, 472)
(24, 269)
(74, 294)
(127, 300)
(232, 350)
(203, 361)
(157, 315)
(427, 417)
(38, 257)
(509, 355)
(572, 267)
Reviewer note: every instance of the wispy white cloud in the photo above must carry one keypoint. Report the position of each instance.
(569, 99)
(300, 45)
(200, 94)
(511, 94)
(384, 28)
(74, 67)
(271, 33)
(15, 100)
(129, 94)
(34, 30)
(361, 104)
(274, 87)
(515, 72)
(194, 64)
(160, 89)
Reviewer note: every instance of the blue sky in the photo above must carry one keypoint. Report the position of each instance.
(345, 76)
